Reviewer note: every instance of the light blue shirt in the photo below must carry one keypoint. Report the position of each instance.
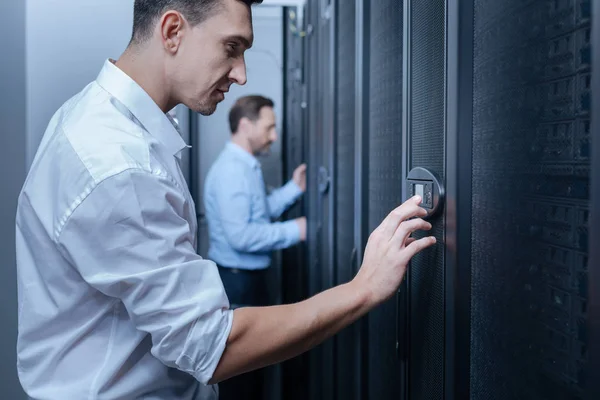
(239, 212)
(114, 302)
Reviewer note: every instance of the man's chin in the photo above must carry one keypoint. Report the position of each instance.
(264, 153)
(207, 109)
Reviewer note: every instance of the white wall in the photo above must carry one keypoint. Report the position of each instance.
(67, 43)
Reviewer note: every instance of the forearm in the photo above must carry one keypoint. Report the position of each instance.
(261, 336)
(282, 198)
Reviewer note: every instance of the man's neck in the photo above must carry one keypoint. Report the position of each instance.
(138, 65)
(241, 142)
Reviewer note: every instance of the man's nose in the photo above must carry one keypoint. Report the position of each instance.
(238, 73)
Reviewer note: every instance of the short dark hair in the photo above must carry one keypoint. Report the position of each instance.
(146, 12)
(247, 107)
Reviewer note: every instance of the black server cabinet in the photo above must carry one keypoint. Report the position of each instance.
(347, 372)
(593, 374)
(425, 145)
(499, 106)
(496, 98)
(499, 97)
(313, 219)
(531, 141)
(384, 177)
(321, 239)
(294, 274)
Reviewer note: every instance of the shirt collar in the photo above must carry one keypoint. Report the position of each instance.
(153, 119)
(243, 155)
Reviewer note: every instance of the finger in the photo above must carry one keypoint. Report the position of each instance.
(406, 228)
(417, 246)
(409, 241)
(408, 209)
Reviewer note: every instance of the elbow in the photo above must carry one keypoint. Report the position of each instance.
(215, 379)
(237, 241)
(240, 238)
(198, 347)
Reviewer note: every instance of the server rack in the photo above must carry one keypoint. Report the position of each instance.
(425, 84)
(321, 180)
(295, 373)
(530, 173)
(312, 115)
(593, 373)
(347, 343)
(497, 99)
(361, 170)
(458, 198)
(385, 178)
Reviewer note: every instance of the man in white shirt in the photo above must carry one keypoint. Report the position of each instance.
(114, 302)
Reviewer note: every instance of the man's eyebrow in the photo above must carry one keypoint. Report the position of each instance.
(241, 39)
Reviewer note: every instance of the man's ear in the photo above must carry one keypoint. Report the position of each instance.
(171, 27)
(244, 125)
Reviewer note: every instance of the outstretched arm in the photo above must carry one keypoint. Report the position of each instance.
(261, 336)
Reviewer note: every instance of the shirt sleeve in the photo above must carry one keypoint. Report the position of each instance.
(233, 198)
(280, 199)
(129, 239)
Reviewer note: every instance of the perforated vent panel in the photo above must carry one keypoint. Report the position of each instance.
(531, 145)
(346, 98)
(346, 341)
(427, 138)
(385, 176)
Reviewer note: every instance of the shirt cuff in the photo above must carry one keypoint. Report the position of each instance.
(292, 233)
(206, 369)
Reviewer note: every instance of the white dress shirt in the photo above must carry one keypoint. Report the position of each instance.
(114, 302)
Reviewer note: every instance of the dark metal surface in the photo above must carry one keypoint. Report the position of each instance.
(593, 369)
(457, 235)
(385, 178)
(361, 194)
(321, 240)
(530, 217)
(427, 149)
(347, 341)
(327, 159)
(312, 146)
(294, 281)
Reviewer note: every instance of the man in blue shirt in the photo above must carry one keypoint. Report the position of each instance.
(238, 209)
(239, 213)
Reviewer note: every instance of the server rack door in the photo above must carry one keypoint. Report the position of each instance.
(530, 199)
(458, 188)
(312, 146)
(347, 342)
(326, 176)
(425, 137)
(593, 366)
(361, 183)
(321, 157)
(384, 36)
(294, 274)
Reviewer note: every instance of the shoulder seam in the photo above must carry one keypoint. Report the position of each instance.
(90, 188)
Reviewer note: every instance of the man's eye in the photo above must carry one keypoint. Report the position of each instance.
(231, 47)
